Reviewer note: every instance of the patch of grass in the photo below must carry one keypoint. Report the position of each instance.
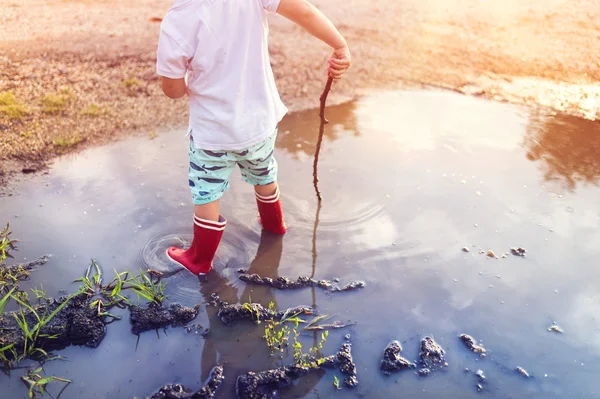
(153, 135)
(36, 383)
(54, 103)
(92, 110)
(67, 142)
(146, 287)
(10, 107)
(131, 83)
(278, 336)
(6, 243)
(10, 277)
(7, 98)
(31, 334)
(103, 297)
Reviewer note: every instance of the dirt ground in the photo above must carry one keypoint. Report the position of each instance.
(75, 73)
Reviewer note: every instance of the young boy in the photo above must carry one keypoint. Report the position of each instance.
(216, 51)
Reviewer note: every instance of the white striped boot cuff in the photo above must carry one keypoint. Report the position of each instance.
(269, 199)
(211, 224)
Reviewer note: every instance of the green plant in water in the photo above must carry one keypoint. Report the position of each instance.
(10, 348)
(145, 287)
(6, 243)
(31, 334)
(278, 336)
(10, 277)
(36, 383)
(102, 296)
(40, 294)
(336, 382)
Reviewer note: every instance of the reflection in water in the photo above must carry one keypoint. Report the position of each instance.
(219, 347)
(303, 138)
(569, 147)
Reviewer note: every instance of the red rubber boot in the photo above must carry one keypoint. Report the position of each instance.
(199, 256)
(271, 214)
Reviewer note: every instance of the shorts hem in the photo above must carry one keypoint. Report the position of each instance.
(207, 200)
(257, 182)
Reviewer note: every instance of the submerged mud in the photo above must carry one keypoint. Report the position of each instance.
(75, 324)
(393, 361)
(156, 316)
(208, 391)
(284, 283)
(432, 357)
(266, 384)
(28, 266)
(472, 344)
(231, 314)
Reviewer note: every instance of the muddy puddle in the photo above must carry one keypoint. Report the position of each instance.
(409, 179)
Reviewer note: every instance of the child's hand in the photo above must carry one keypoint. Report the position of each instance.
(339, 62)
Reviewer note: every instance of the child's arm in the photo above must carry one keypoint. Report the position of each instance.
(173, 88)
(314, 22)
(171, 65)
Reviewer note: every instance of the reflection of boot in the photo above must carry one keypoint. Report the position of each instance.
(198, 258)
(268, 255)
(271, 215)
(266, 264)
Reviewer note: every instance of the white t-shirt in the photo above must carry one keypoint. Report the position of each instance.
(222, 45)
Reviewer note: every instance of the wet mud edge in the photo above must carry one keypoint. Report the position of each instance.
(284, 283)
(266, 384)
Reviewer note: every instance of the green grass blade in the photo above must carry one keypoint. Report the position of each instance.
(5, 299)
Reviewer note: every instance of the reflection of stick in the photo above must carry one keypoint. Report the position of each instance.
(314, 260)
(324, 121)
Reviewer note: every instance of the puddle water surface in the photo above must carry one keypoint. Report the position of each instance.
(408, 180)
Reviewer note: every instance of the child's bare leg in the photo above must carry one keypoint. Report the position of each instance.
(266, 190)
(208, 211)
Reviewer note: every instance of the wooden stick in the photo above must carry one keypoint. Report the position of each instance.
(324, 121)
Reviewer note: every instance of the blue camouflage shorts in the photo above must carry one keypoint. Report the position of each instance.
(210, 170)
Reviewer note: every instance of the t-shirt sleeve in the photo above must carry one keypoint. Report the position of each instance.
(270, 5)
(171, 59)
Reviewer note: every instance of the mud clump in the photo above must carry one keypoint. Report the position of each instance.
(284, 283)
(75, 324)
(424, 372)
(15, 269)
(208, 391)
(157, 316)
(347, 366)
(472, 344)
(432, 357)
(518, 251)
(266, 384)
(231, 314)
(393, 361)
